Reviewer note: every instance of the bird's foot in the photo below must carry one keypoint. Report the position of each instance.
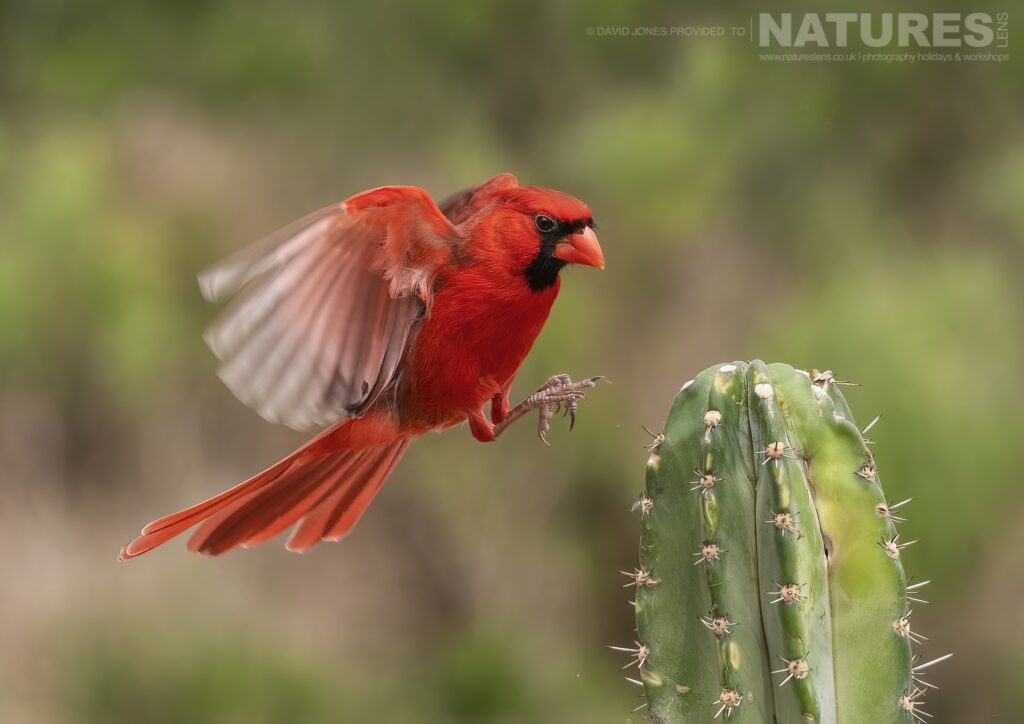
(559, 393)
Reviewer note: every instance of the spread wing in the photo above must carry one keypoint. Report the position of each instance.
(461, 205)
(322, 309)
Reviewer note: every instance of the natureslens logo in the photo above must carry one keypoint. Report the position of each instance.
(876, 37)
(879, 30)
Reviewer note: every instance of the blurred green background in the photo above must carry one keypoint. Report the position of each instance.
(861, 217)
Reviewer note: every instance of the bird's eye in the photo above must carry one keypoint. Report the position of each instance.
(545, 224)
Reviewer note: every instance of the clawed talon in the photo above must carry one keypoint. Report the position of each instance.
(542, 423)
(558, 394)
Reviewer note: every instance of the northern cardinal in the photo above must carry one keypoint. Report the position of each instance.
(384, 316)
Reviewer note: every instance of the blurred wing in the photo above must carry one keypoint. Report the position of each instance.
(461, 205)
(324, 307)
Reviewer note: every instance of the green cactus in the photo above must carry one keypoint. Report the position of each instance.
(770, 586)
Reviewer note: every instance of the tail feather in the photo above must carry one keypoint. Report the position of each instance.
(314, 526)
(341, 508)
(261, 508)
(163, 529)
(202, 510)
(348, 512)
(325, 495)
(332, 479)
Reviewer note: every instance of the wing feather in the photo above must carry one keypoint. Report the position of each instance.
(324, 307)
(296, 363)
(224, 279)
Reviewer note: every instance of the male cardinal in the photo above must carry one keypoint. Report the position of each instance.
(384, 316)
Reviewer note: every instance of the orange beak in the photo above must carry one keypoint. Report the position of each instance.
(581, 248)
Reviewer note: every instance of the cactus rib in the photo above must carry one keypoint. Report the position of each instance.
(770, 586)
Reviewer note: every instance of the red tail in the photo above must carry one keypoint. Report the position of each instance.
(325, 494)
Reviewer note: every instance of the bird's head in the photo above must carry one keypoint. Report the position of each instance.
(550, 229)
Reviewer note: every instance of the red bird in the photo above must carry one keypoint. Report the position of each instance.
(384, 316)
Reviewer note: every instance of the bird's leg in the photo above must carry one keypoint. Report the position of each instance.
(500, 404)
(559, 392)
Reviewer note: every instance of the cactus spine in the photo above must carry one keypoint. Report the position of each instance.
(770, 586)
